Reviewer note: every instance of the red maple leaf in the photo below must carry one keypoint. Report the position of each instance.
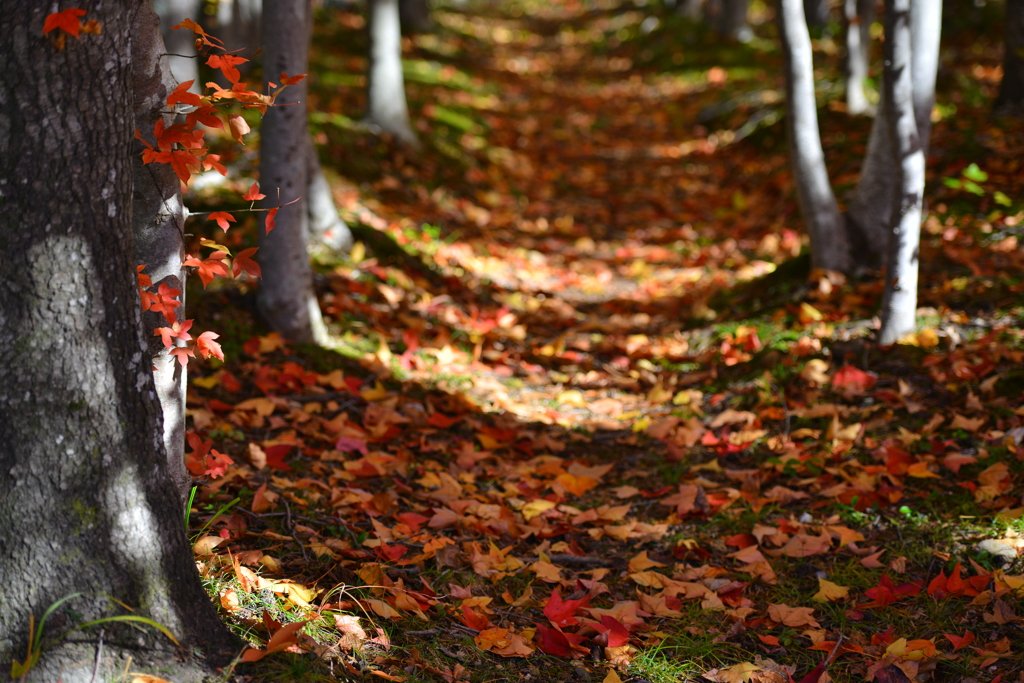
(563, 612)
(271, 220)
(227, 63)
(66, 20)
(209, 268)
(181, 94)
(222, 218)
(276, 455)
(243, 262)
(207, 347)
(618, 634)
(253, 195)
(555, 642)
(213, 161)
(175, 331)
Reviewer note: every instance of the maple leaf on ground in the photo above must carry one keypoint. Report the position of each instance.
(563, 612)
(243, 262)
(66, 20)
(960, 641)
(558, 643)
(282, 639)
(276, 455)
(886, 592)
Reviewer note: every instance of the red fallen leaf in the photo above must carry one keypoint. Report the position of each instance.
(412, 520)
(885, 638)
(886, 593)
(769, 640)
(937, 586)
(563, 612)
(392, 553)
(66, 21)
(243, 262)
(220, 406)
(960, 641)
(554, 642)
(852, 380)
(741, 541)
(473, 620)
(276, 455)
(222, 218)
(816, 672)
(351, 443)
(618, 634)
(282, 639)
(441, 420)
(891, 674)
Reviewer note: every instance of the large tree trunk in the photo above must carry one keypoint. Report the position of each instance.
(386, 105)
(286, 299)
(86, 500)
(414, 16)
(1011, 91)
(159, 226)
(858, 15)
(899, 301)
(180, 42)
(872, 205)
(829, 245)
(734, 21)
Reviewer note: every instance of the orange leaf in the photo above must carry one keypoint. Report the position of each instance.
(207, 347)
(222, 218)
(960, 641)
(243, 262)
(253, 194)
(271, 222)
(66, 21)
(181, 94)
(282, 639)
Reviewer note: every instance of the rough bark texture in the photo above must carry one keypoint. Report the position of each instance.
(872, 203)
(829, 245)
(1011, 91)
(158, 223)
(326, 229)
(86, 500)
(899, 300)
(286, 298)
(386, 105)
(180, 41)
(858, 15)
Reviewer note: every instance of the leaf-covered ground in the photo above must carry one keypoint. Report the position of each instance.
(591, 417)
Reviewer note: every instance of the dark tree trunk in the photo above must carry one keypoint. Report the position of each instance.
(386, 103)
(86, 500)
(1011, 91)
(829, 245)
(415, 16)
(899, 300)
(286, 298)
(816, 13)
(159, 225)
(858, 15)
(871, 208)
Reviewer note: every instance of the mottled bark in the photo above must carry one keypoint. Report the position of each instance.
(829, 245)
(386, 105)
(1011, 90)
(86, 500)
(180, 41)
(872, 204)
(158, 225)
(858, 15)
(286, 299)
(899, 300)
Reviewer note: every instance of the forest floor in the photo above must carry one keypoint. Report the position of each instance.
(591, 417)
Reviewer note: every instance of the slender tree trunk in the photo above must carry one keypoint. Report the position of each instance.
(180, 42)
(387, 107)
(86, 500)
(286, 299)
(414, 16)
(734, 20)
(691, 9)
(899, 300)
(1011, 91)
(816, 13)
(326, 229)
(858, 15)
(872, 205)
(158, 224)
(829, 245)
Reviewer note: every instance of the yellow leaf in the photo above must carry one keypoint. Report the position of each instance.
(830, 592)
(612, 677)
(809, 314)
(536, 507)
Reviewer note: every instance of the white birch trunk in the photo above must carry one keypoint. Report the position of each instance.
(899, 301)
(829, 245)
(387, 107)
(858, 14)
(872, 203)
(326, 229)
(286, 299)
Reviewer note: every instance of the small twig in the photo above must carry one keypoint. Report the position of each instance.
(428, 632)
(99, 654)
(467, 629)
(515, 616)
(291, 529)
